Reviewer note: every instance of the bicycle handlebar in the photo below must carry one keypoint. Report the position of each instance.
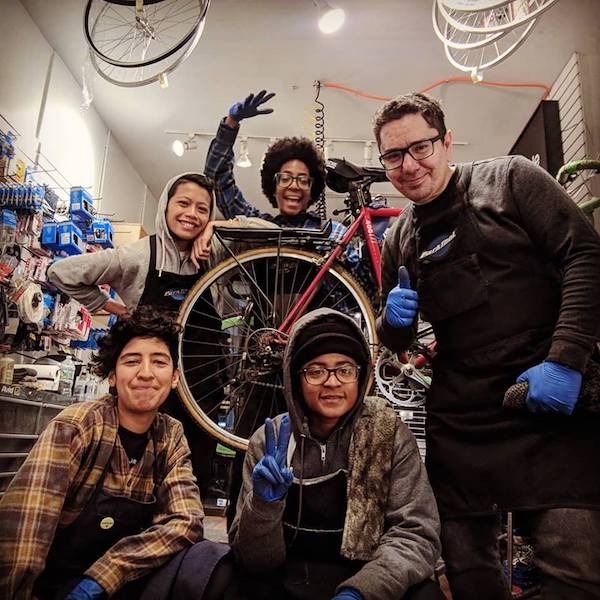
(570, 169)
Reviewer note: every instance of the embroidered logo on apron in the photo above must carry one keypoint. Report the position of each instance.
(177, 294)
(439, 247)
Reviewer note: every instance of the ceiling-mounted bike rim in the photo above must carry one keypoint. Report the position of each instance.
(449, 34)
(469, 19)
(109, 72)
(125, 26)
(461, 63)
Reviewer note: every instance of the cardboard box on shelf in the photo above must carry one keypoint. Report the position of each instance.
(127, 232)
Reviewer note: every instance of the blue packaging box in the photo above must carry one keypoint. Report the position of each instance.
(81, 204)
(100, 233)
(70, 238)
(50, 235)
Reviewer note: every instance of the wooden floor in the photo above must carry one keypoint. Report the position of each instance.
(215, 529)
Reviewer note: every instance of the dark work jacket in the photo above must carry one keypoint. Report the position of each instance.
(508, 273)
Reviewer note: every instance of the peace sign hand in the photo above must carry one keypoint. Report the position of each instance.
(271, 477)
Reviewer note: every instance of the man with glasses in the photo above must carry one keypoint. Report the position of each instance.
(496, 256)
(335, 503)
(292, 175)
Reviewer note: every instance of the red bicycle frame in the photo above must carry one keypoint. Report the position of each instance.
(364, 220)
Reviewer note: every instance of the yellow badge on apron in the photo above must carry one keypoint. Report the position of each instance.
(107, 523)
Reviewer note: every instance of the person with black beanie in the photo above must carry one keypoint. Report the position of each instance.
(335, 502)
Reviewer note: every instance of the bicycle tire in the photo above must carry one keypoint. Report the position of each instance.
(241, 368)
(93, 43)
(127, 77)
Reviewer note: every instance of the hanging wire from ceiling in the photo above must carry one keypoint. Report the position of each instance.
(320, 143)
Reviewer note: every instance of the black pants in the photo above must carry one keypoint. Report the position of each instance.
(566, 543)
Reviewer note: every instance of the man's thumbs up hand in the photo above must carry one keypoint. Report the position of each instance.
(402, 302)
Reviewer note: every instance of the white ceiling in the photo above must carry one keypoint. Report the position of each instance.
(386, 47)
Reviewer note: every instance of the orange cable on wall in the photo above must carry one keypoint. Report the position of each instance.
(455, 79)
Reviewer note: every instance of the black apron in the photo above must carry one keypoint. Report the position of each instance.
(104, 521)
(493, 308)
(167, 292)
(314, 566)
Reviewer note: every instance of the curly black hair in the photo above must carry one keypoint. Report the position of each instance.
(146, 321)
(293, 148)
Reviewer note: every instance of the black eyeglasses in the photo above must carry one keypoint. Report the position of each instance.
(304, 182)
(319, 375)
(394, 158)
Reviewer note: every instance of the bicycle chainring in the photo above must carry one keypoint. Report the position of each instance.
(402, 384)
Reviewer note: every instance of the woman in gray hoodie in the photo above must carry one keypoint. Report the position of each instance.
(335, 503)
(159, 270)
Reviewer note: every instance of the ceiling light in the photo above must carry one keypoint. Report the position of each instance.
(179, 147)
(331, 18)
(244, 159)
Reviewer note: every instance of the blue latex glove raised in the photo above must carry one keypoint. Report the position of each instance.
(270, 476)
(348, 594)
(86, 589)
(249, 107)
(402, 302)
(553, 388)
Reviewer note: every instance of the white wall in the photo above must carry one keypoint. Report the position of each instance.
(40, 100)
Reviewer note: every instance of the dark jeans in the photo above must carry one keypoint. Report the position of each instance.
(566, 544)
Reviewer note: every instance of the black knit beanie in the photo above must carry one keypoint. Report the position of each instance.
(328, 336)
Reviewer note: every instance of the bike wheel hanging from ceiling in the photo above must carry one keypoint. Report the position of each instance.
(478, 34)
(137, 42)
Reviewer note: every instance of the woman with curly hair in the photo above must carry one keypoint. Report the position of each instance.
(292, 175)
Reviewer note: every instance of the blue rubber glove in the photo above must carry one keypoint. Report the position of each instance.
(553, 388)
(86, 589)
(249, 107)
(270, 476)
(402, 302)
(348, 594)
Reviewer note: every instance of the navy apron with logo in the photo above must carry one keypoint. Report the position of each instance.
(167, 292)
(493, 309)
(104, 521)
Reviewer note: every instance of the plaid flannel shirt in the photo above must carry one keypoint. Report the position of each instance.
(231, 201)
(59, 476)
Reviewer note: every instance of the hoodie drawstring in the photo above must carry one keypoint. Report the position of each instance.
(162, 252)
(303, 435)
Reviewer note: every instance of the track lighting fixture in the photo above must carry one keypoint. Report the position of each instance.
(179, 147)
(244, 159)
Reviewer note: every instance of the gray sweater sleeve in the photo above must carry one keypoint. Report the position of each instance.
(256, 534)
(561, 232)
(124, 269)
(410, 547)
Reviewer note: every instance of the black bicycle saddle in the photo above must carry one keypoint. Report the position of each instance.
(341, 173)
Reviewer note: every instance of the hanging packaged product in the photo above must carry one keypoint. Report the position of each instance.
(100, 233)
(70, 238)
(7, 366)
(81, 204)
(30, 303)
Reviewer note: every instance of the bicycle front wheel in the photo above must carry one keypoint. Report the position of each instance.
(231, 350)
(130, 34)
